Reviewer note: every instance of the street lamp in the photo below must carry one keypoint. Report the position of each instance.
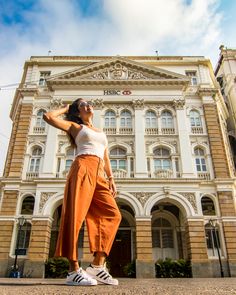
(15, 273)
(213, 225)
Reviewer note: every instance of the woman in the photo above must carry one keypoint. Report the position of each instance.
(88, 195)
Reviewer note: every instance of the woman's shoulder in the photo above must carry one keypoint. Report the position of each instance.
(75, 129)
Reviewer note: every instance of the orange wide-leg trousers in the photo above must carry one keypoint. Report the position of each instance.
(87, 196)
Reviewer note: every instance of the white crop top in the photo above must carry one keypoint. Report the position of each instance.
(90, 142)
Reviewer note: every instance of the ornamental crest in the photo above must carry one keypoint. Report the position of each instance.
(142, 197)
(118, 72)
(43, 199)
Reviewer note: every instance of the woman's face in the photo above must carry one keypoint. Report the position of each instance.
(85, 109)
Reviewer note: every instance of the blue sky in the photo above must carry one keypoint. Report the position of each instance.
(106, 27)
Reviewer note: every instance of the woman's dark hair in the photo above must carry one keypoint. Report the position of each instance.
(73, 115)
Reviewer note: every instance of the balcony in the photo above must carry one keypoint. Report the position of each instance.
(204, 175)
(38, 130)
(168, 131)
(197, 130)
(163, 173)
(32, 175)
(109, 130)
(120, 173)
(151, 131)
(126, 130)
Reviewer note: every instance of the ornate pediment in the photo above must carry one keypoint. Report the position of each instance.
(118, 71)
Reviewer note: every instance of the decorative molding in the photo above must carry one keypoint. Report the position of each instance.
(56, 103)
(142, 196)
(98, 103)
(118, 72)
(43, 199)
(191, 198)
(138, 104)
(179, 104)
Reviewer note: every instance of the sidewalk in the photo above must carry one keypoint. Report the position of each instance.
(206, 286)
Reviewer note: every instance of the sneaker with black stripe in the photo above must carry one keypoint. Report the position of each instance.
(80, 278)
(101, 274)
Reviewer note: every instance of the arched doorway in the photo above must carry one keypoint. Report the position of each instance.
(123, 249)
(168, 236)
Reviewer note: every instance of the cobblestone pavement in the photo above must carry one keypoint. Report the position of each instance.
(206, 286)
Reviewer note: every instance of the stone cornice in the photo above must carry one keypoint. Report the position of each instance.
(206, 91)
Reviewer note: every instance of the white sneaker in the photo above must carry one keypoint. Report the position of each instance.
(101, 274)
(80, 278)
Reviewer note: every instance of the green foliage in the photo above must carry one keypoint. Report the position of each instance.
(56, 267)
(170, 268)
(130, 269)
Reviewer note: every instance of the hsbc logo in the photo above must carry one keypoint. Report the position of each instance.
(117, 92)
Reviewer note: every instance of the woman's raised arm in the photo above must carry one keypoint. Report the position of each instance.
(52, 119)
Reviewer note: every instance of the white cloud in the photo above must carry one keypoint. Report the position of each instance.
(125, 27)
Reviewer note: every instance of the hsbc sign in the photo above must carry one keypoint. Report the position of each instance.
(117, 92)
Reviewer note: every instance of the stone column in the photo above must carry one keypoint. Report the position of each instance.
(228, 213)
(140, 152)
(97, 117)
(145, 266)
(6, 229)
(49, 159)
(197, 248)
(38, 247)
(18, 141)
(184, 140)
(217, 146)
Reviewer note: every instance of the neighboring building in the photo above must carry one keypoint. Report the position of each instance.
(165, 119)
(226, 76)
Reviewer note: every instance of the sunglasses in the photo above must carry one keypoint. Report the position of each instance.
(85, 104)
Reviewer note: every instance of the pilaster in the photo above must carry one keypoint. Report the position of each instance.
(139, 125)
(145, 266)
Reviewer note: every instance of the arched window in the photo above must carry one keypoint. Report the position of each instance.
(70, 155)
(212, 240)
(39, 119)
(208, 207)
(163, 239)
(110, 119)
(151, 119)
(27, 207)
(195, 119)
(35, 159)
(162, 159)
(24, 237)
(200, 160)
(166, 119)
(118, 159)
(125, 119)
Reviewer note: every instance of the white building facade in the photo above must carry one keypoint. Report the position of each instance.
(164, 118)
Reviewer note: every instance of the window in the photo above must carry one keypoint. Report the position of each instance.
(39, 119)
(27, 207)
(24, 237)
(35, 159)
(110, 119)
(43, 76)
(125, 119)
(162, 234)
(212, 240)
(118, 159)
(195, 119)
(162, 159)
(151, 119)
(70, 155)
(200, 160)
(193, 76)
(166, 119)
(208, 207)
